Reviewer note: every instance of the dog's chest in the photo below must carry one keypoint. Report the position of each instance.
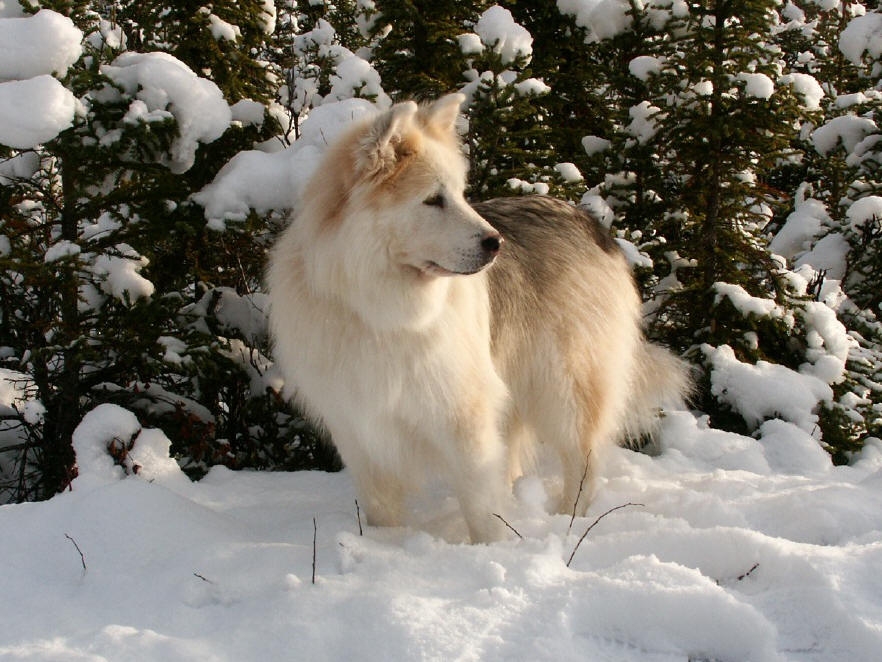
(369, 377)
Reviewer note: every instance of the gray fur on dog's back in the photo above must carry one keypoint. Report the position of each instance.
(566, 333)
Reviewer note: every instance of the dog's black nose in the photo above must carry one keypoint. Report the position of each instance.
(491, 243)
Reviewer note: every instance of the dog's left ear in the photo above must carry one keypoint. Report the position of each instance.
(441, 115)
(386, 141)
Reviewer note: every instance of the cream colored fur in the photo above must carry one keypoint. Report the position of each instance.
(417, 358)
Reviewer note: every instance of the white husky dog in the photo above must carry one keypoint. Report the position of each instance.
(418, 359)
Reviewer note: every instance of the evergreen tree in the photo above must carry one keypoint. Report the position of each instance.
(841, 171)
(325, 65)
(114, 288)
(418, 54)
(507, 137)
(718, 124)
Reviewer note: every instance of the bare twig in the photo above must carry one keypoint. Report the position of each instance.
(82, 557)
(196, 574)
(502, 519)
(314, 537)
(358, 515)
(747, 574)
(740, 577)
(594, 523)
(579, 494)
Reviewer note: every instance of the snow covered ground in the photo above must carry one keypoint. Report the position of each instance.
(743, 549)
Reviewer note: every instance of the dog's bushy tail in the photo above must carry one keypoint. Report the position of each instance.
(661, 381)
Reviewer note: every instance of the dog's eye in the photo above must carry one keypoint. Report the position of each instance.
(436, 200)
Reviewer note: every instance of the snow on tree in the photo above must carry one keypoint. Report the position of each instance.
(34, 106)
(505, 131)
(114, 288)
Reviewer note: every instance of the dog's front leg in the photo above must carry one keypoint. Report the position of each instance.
(380, 493)
(478, 470)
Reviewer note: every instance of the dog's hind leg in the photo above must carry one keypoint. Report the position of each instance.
(577, 422)
(518, 441)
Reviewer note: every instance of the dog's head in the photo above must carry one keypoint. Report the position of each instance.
(401, 182)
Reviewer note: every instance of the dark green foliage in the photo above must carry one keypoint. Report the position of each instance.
(419, 57)
(115, 200)
(183, 28)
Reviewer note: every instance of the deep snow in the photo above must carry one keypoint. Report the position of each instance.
(744, 549)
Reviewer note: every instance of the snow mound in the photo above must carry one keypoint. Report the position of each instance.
(273, 181)
(34, 111)
(863, 34)
(863, 211)
(45, 43)
(757, 85)
(497, 29)
(162, 83)
(110, 443)
(805, 86)
(765, 390)
(845, 130)
(119, 274)
(644, 66)
(603, 19)
(802, 226)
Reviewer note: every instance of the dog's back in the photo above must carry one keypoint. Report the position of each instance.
(566, 335)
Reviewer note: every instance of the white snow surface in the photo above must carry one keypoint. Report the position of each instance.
(602, 19)
(803, 225)
(863, 211)
(265, 181)
(568, 172)
(846, 130)
(742, 549)
(162, 83)
(765, 390)
(807, 87)
(644, 66)
(498, 30)
(862, 36)
(757, 85)
(34, 111)
(45, 43)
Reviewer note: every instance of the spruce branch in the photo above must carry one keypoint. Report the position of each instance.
(358, 517)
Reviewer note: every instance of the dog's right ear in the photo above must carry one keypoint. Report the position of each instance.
(387, 141)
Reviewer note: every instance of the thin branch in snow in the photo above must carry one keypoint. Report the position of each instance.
(205, 579)
(314, 537)
(741, 577)
(358, 515)
(579, 493)
(594, 523)
(502, 519)
(747, 574)
(82, 557)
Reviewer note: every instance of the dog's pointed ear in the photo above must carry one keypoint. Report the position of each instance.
(386, 142)
(441, 115)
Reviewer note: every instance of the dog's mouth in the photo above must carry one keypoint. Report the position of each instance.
(431, 268)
